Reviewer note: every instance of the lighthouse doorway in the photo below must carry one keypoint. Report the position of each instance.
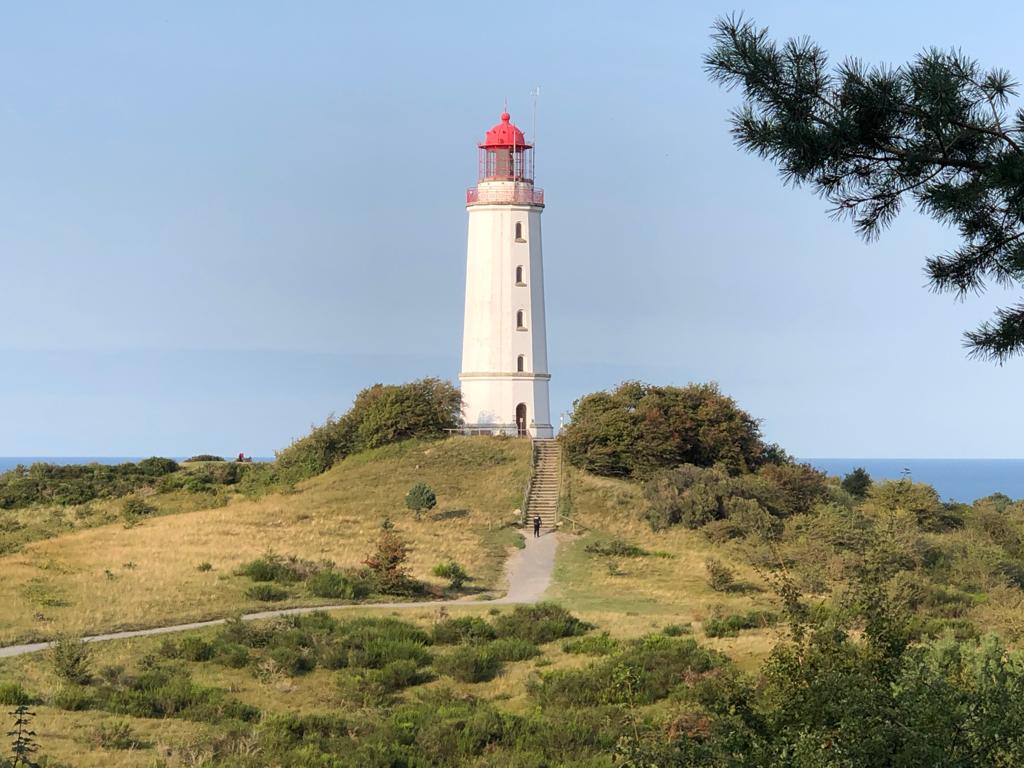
(521, 419)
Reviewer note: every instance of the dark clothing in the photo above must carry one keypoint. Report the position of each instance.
(536, 526)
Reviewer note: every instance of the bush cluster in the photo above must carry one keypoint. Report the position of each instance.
(380, 414)
(732, 624)
(540, 623)
(462, 630)
(639, 428)
(750, 503)
(452, 571)
(43, 483)
(641, 672)
(594, 645)
(157, 690)
(209, 476)
(272, 572)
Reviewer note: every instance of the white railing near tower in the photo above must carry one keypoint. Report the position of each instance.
(515, 194)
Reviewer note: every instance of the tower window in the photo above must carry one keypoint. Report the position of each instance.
(521, 363)
(519, 232)
(519, 276)
(520, 321)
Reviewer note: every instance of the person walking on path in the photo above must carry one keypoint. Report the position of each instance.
(536, 526)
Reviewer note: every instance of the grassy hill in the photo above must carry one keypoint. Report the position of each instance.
(667, 658)
(112, 576)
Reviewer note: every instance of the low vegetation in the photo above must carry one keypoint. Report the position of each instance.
(43, 483)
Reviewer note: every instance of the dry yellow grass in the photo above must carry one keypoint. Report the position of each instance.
(647, 593)
(114, 577)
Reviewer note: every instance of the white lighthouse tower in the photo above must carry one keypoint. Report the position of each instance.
(504, 345)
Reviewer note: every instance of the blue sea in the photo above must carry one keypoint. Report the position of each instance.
(955, 479)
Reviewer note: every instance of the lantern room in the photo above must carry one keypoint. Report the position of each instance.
(505, 155)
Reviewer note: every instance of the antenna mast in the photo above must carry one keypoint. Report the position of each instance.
(536, 94)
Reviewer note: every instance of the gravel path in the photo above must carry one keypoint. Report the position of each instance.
(528, 572)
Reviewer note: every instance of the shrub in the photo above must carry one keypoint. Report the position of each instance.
(616, 548)
(452, 571)
(206, 457)
(378, 652)
(857, 483)
(73, 698)
(196, 649)
(232, 655)
(380, 414)
(113, 735)
(71, 660)
(639, 428)
(12, 694)
(204, 567)
(677, 630)
(373, 687)
(540, 623)
(731, 625)
(721, 577)
(420, 498)
(283, 569)
(464, 629)
(339, 586)
(292, 661)
(470, 664)
(160, 691)
(135, 507)
(513, 649)
(266, 593)
(595, 645)
(653, 666)
(396, 675)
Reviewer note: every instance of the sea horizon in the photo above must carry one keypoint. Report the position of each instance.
(955, 479)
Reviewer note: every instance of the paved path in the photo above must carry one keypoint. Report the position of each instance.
(528, 572)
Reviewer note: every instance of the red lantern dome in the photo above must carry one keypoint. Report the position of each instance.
(505, 156)
(505, 134)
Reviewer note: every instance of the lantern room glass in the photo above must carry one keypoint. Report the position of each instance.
(506, 164)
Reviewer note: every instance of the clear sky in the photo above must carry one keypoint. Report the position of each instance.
(218, 221)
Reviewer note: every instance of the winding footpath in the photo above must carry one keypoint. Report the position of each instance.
(527, 570)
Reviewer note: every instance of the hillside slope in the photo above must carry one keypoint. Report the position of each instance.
(114, 577)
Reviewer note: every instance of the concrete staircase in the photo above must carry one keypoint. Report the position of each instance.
(545, 484)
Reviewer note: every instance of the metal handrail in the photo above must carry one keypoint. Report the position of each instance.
(518, 193)
(574, 524)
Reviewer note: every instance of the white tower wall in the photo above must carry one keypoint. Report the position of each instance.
(493, 341)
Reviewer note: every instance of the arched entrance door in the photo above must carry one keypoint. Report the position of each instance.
(521, 419)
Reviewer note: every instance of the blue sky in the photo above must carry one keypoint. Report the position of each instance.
(220, 221)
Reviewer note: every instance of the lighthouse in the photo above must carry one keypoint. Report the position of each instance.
(504, 374)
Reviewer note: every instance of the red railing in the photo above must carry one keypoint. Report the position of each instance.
(517, 194)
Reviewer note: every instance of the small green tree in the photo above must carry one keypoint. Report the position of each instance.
(857, 483)
(387, 561)
(420, 498)
(721, 577)
(23, 746)
(71, 660)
